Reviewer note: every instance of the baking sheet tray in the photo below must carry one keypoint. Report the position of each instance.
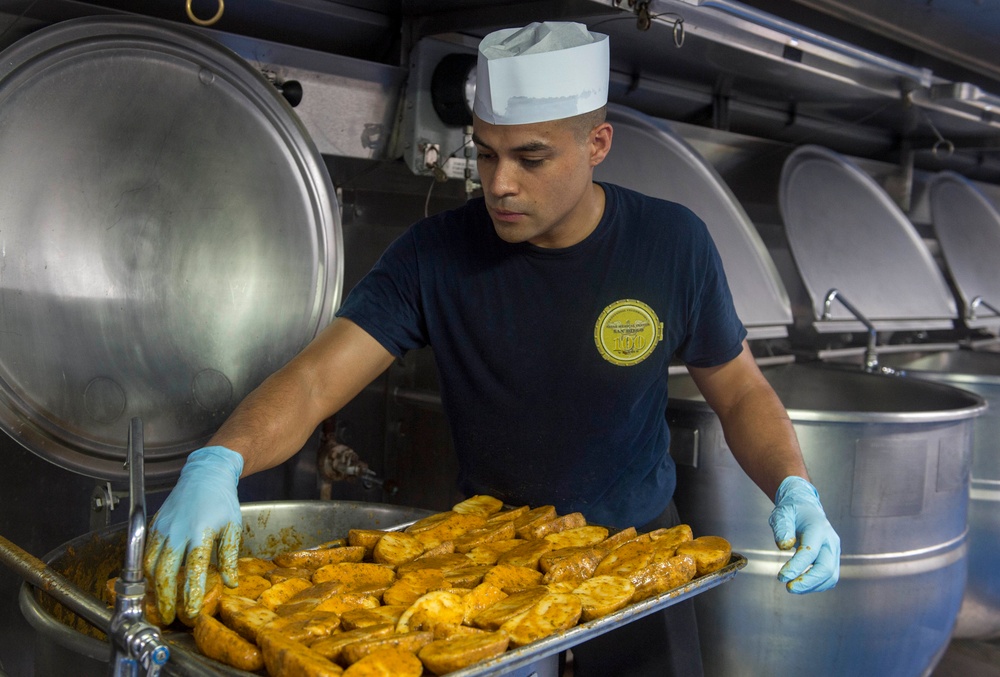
(561, 641)
(536, 651)
(269, 528)
(520, 657)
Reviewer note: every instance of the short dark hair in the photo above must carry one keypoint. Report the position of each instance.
(584, 123)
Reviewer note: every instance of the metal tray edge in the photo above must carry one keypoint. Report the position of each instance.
(531, 653)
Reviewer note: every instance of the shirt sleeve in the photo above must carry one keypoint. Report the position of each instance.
(386, 302)
(715, 333)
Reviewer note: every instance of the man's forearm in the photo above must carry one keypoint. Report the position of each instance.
(276, 419)
(271, 424)
(754, 421)
(762, 439)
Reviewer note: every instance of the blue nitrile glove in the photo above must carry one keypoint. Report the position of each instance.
(201, 509)
(798, 516)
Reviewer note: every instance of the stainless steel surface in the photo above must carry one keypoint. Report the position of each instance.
(969, 658)
(740, 54)
(979, 373)
(135, 543)
(39, 574)
(269, 528)
(961, 99)
(348, 104)
(968, 230)
(967, 227)
(136, 645)
(707, 83)
(977, 302)
(522, 656)
(649, 156)
(962, 32)
(429, 145)
(764, 33)
(800, 48)
(842, 394)
(871, 354)
(770, 68)
(63, 590)
(46, 506)
(964, 368)
(988, 345)
(890, 458)
(846, 233)
(170, 238)
(37, 525)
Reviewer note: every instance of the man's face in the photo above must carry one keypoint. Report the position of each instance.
(538, 180)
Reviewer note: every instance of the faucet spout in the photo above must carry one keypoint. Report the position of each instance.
(136, 645)
(132, 571)
(977, 301)
(871, 354)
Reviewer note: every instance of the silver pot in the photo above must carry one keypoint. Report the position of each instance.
(68, 645)
(977, 372)
(890, 457)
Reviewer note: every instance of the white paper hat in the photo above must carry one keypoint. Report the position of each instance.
(544, 71)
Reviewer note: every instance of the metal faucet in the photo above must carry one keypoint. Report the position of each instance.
(871, 355)
(977, 301)
(135, 644)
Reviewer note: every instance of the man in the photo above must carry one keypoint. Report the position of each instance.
(554, 306)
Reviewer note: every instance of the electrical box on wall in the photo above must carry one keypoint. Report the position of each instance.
(436, 123)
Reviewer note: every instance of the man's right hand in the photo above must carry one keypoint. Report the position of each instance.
(201, 510)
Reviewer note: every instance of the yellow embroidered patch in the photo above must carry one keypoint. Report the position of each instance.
(627, 332)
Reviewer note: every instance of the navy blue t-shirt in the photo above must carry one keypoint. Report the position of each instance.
(553, 362)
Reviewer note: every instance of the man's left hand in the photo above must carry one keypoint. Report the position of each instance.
(798, 517)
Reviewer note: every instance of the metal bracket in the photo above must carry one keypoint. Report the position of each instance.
(103, 500)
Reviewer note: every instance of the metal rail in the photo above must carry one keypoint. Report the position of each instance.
(86, 606)
(806, 38)
(57, 586)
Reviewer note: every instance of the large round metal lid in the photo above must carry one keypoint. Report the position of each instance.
(967, 226)
(846, 233)
(647, 155)
(168, 238)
